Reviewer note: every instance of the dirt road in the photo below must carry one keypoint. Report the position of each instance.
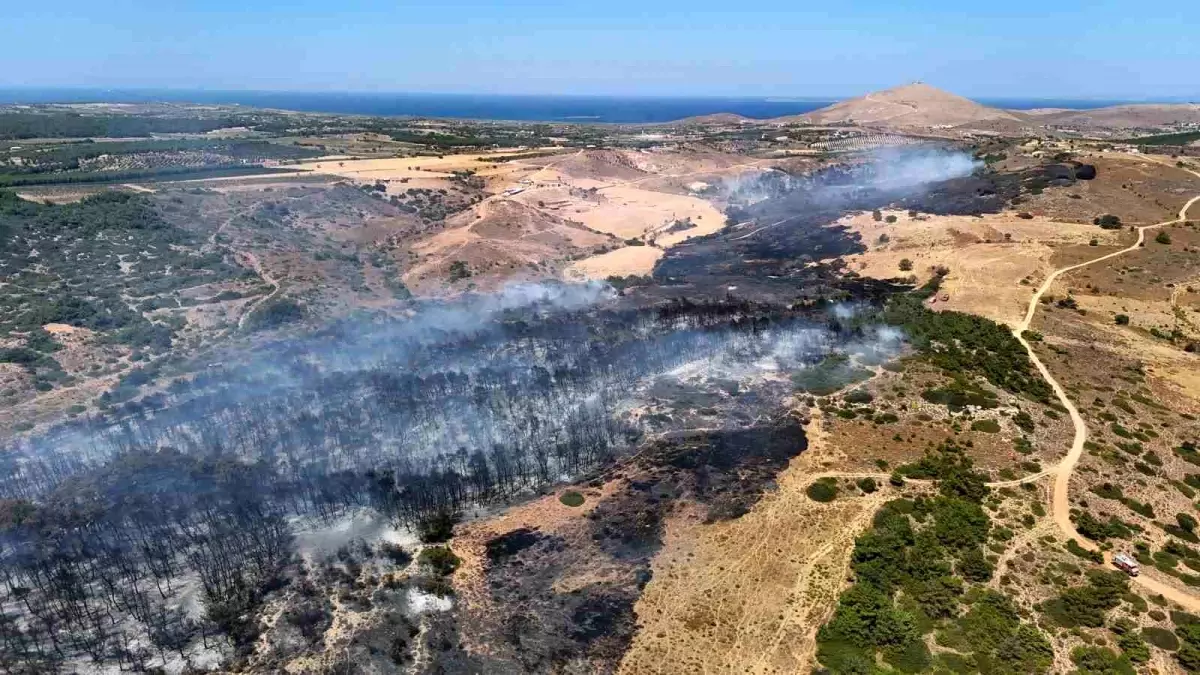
(248, 258)
(1060, 503)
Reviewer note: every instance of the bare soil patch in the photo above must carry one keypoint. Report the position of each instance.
(995, 262)
(1138, 190)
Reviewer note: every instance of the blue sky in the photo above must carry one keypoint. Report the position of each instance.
(1010, 48)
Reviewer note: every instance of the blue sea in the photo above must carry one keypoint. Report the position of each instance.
(598, 109)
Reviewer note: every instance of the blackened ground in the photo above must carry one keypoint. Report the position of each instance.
(772, 255)
(512, 543)
(536, 627)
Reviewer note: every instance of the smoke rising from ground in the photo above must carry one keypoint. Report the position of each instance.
(903, 170)
(532, 367)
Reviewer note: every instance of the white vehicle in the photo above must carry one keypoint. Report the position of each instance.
(1126, 564)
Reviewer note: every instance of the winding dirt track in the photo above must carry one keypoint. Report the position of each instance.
(1060, 504)
(246, 257)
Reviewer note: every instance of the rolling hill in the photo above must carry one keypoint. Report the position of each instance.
(910, 106)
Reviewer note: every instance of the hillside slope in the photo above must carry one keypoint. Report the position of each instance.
(1128, 116)
(913, 105)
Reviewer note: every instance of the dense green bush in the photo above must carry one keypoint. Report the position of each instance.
(1186, 521)
(1087, 605)
(571, 498)
(823, 490)
(858, 396)
(972, 566)
(1074, 547)
(275, 313)
(439, 560)
(1161, 638)
(1096, 530)
(1100, 661)
(1133, 647)
(1108, 491)
(438, 527)
(963, 344)
(988, 426)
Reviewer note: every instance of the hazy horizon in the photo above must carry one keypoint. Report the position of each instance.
(797, 97)
(1023, 49)
(596, 108)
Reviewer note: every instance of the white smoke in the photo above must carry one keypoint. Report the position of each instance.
(901, 169)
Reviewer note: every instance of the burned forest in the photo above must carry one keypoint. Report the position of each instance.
(153, 534)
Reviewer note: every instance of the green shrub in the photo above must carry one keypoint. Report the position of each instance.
(571, 498)
(1133, 647)
(440, 560)
(1184, 489)
(913, 656)
(1140, 508)
(1122, 319)
(1100, 661)
(867, 485)
(972, 566)
(1186, 521)
(1097, 530)
(965, 345)
(1087, 605)
(859, 396)
(275, 313)
(1189, 657)
(1176, 531)
(988, 426)
(1093, 556)
(1161, 638)
(438, 527)
(823, 490)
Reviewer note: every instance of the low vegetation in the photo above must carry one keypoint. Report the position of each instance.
(965, 344)
(920, 569)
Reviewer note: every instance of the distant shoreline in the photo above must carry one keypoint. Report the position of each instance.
(561, 109)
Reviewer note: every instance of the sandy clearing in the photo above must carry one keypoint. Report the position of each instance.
(986, 269)
(984, 279)
(926, 229)
(702, 228)
(622, 262)
(392, 168)
(60, 329)
(748, 595)
(633, 212)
